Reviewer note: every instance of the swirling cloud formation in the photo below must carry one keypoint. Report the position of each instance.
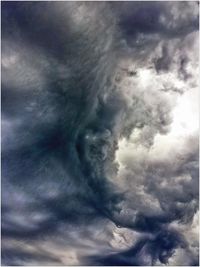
(100, 133)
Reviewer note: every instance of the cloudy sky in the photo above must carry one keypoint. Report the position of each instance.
(99, 136)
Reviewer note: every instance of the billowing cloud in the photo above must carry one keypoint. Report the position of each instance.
(99, 133)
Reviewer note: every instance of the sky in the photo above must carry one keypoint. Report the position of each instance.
(100, 121)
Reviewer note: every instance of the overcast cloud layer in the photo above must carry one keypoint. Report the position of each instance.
(100, 133)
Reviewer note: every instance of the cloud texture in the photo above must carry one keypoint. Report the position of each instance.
(100, 133)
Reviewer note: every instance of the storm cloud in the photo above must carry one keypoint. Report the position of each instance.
(100, 133)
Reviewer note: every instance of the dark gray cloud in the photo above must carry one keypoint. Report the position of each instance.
(88, 151)
(164, 19)
(145, 252)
